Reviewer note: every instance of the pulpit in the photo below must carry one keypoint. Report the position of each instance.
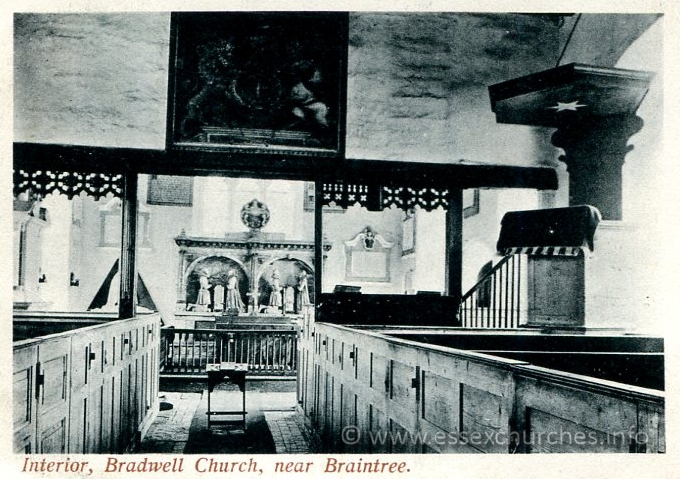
(555, 241)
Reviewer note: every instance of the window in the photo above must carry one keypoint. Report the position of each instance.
(408, 225)
(470, 202)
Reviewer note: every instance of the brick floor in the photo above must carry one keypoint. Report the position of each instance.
(290, 434)
(169, 433)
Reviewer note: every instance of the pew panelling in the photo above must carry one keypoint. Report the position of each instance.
(447, 400)
(24, 398)
(54, 396)
(92, 390)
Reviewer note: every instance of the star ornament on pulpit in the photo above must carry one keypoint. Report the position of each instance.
(571, 106)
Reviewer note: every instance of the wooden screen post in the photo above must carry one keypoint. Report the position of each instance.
(318, 242)
(454, 244)
(128, 268)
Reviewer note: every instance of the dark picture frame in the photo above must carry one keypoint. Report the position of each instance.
(258, 82)
(167, 190)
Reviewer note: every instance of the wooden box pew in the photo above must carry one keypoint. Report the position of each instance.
(409, 396)
(633, 360)
(33, 324)
(89, 390)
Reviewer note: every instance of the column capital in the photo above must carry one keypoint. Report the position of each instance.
(596, 140)
(594, 152)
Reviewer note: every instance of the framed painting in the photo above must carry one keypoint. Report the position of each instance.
(258, 82)
(165, 190)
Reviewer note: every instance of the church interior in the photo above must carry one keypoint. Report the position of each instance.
(430, 223)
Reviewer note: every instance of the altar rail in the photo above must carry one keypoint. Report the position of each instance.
(266, 351)
(89, 390)
(399, 395)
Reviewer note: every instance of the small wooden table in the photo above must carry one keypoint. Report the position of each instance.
(234, 373)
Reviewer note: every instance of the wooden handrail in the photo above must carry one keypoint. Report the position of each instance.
(482, 281)
(265, 350)
(494, 300)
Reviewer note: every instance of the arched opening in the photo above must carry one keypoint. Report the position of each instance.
(288, 278)
(217, 271)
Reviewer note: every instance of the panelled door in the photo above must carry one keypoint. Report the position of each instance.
(24, 399)
(88, 395)
(52, 395)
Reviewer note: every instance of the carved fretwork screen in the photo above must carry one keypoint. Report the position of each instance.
(68, 183)
(376, 198)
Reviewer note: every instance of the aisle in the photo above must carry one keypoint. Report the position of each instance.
(272, 424)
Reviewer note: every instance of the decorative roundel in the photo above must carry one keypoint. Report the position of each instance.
(255, 214)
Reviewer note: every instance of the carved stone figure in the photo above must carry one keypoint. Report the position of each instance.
(203, 296)
(218, 298)
(302, 297)
(288, 299)
(275, 295)
(369, 238)
(233, 300)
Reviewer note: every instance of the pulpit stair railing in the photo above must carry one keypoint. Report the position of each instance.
(496, 300)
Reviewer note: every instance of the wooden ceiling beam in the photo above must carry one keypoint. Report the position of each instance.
(97, 159)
